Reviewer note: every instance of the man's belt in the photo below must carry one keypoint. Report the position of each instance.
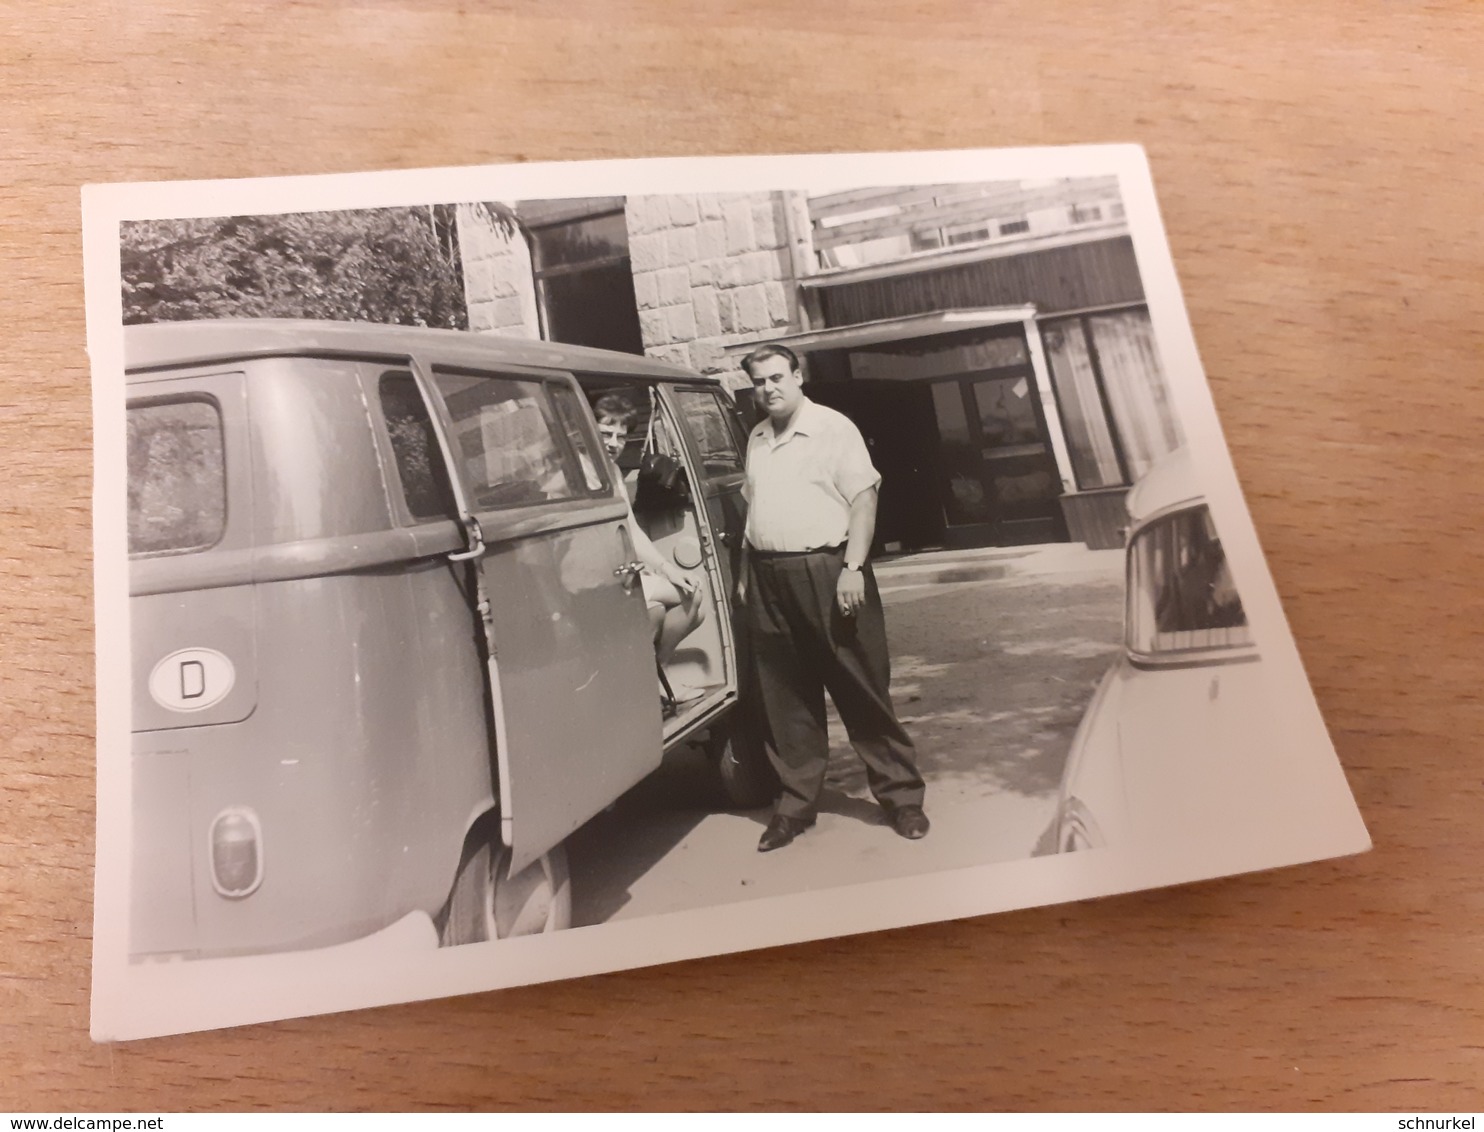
(838, 548)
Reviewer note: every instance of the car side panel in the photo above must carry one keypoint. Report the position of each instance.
(1093, 779)
(1197, 746)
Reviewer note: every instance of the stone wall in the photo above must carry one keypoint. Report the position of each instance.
(498, 286)
(709, 271)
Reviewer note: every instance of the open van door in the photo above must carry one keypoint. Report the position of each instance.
(573, 687)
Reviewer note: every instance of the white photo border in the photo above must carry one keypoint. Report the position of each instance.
(139, 1000)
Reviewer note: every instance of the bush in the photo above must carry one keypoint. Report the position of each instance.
(388, 265)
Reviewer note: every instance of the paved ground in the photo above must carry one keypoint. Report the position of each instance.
(995, 654)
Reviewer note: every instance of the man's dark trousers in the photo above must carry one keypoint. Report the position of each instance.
(802, 645)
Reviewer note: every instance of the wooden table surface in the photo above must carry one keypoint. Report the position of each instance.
(1318, 168)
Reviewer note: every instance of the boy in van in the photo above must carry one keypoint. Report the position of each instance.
(672, 596)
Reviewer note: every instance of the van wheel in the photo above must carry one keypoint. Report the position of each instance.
(486, 902)
(746, 775)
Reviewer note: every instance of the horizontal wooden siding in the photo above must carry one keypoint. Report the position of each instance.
(1095, 274)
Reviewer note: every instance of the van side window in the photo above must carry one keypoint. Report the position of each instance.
(569, 409)
(712, 427)
(507, 439)
(177, 478)
(419, 462)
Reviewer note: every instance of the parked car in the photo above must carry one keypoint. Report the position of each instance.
(1178, 729)
(388, 644)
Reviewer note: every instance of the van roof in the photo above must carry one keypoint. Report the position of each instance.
(163, 345)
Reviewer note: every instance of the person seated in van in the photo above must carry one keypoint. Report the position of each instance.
(672, 596)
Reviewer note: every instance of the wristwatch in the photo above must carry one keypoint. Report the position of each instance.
(857, 569)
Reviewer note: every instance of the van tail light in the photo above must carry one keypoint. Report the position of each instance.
(236, 852)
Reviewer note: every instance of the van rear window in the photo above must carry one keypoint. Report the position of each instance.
(177, 482)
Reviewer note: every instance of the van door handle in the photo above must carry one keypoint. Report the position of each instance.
(628, 572)
(474, 536)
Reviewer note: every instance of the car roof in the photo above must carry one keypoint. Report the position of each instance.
(165, 345)
(1170, 482)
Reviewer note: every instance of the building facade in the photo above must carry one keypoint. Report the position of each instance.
(991, 341)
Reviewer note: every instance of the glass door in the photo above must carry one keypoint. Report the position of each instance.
(999, 481)
(966, 500)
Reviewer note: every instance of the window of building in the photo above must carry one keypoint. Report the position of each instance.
(1125, 353)
(925, 239)
(177, 479)
(855, 227)
(973, 234)
(1114, 403)
(1096, 462)
(584, 282)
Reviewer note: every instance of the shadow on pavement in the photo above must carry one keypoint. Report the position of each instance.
(616, 848)
(833, 801)
(992, 682)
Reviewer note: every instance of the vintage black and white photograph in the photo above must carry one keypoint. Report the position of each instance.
(517, 573)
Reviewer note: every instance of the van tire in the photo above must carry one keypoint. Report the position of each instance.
(747, 777)
(486, 902)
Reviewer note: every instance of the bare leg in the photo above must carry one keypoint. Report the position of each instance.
(679, 622)
(679, 614)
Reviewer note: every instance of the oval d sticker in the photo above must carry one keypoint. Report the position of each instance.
(192, 680)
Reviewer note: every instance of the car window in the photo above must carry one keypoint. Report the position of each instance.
(506, 436)
(315, 466)
(1181, 593)
(579, 436)
(420, 466)
(711, 425)
(177, 477)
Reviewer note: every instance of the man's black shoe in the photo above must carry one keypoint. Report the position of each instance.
(909, 822)
(781, 830)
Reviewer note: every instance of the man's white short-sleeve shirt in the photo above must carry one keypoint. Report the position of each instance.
(800, 484)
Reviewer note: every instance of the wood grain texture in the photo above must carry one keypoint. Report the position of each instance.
(1317, 166)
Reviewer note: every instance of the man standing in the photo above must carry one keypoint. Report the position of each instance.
(813, 611)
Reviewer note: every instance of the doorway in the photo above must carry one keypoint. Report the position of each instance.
(955, 425)
(896, 422)
(998, 484)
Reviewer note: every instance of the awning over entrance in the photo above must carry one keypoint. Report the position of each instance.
(891, 329)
